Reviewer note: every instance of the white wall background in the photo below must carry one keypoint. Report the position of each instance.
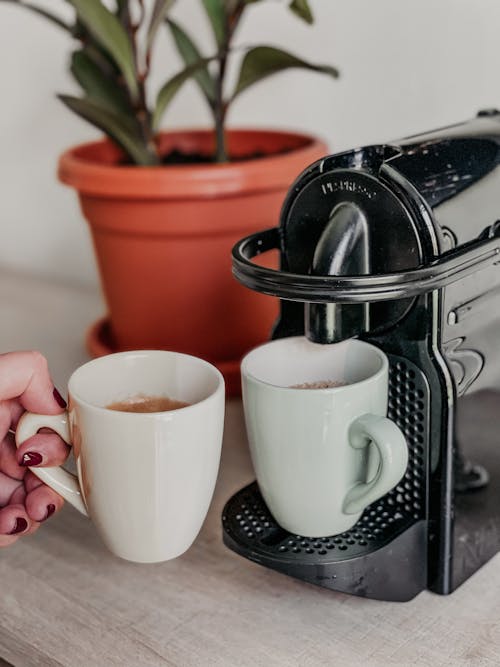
(406, 66)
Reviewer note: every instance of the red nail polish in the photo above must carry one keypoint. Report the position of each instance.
(60, 400)
(31, 459)
(50, 510)
(20, 526)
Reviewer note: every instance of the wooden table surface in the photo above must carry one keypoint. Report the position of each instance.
(64, 600)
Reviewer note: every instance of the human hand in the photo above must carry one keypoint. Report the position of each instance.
(25, 501)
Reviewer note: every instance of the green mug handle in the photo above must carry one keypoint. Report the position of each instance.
(391, 444)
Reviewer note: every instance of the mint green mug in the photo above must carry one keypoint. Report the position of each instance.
(321, 455)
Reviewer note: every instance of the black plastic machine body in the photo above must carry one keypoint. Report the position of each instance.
(398, 244)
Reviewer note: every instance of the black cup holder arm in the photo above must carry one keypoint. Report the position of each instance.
(450, 267)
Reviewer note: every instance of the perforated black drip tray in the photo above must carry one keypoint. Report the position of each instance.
(250, 529)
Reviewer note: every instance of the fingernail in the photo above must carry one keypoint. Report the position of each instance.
(31, 459)
(50, 510)
(20, 526)
(60, 400)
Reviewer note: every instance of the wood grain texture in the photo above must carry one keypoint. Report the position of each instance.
(65, 600)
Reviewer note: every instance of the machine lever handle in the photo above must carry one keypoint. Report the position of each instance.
(444, 270)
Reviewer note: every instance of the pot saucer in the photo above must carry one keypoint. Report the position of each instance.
(99, 342)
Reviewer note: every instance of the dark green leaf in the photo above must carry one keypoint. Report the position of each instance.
(190, 54)
(108, 31)
(99, 88)
(160, 11)
(263, 61)
(302, 10)
(171, 88)
(118, 127)
(95, 51)
(101, 59)
(42, 12)
(217, 15)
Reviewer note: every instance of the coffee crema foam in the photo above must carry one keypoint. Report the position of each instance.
(143, 403)
(319, 384)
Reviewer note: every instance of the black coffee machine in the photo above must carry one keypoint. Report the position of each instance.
(399, 245)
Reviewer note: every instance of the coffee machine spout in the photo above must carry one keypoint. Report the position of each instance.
(342, 250)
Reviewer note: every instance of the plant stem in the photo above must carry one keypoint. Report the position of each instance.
(220, 109)
(141, 110)
(221, 106)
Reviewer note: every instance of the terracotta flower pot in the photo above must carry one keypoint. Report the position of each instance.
(163, 239)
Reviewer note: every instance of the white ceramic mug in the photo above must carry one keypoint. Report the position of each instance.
(321, 456)
(145, 479)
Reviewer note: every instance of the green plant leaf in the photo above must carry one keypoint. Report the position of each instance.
(171, 88)
(118, 127)
(111, 35)
(158, 15)
(302, 10)
(42, 12)
(263, 61)
(216, 13)
(189, 53)
(99, 88)
(101, 59)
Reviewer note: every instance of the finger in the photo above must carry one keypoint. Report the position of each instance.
(7, 488)
(9, 460)
(19, 496)
(16, 411)
(14, 520)
(43, 449)
(5, 418)
(42, 502)
(7, 540)
(25, 375)
(10, 411)
(31, 481)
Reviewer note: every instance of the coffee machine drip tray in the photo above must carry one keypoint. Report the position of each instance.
(362, 561)
(384, 556)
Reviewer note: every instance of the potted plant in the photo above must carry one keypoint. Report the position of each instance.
(165, 208)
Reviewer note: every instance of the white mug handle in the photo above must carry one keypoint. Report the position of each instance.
(393, 450)
(62, 481)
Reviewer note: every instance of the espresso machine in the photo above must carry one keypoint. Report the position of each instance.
(399, 245)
